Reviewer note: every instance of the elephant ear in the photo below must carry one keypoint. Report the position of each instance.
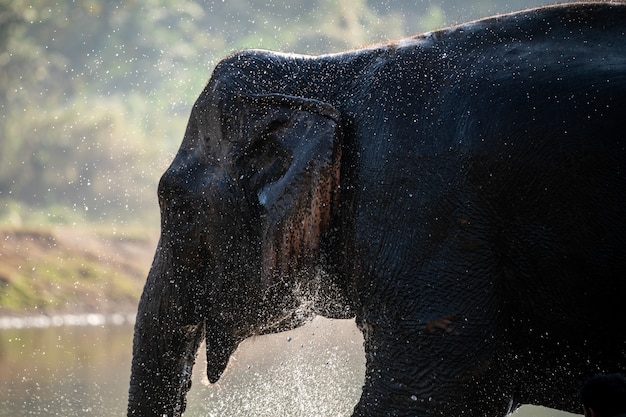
(290, 161)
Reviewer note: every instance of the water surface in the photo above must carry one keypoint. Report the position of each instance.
(84, 369)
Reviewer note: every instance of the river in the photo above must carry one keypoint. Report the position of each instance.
(83, 366)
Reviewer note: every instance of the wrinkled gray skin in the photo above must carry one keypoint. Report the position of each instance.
(461, 193)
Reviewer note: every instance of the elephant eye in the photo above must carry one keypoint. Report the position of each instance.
(264, 162)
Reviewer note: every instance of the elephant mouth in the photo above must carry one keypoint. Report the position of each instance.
(220, 345)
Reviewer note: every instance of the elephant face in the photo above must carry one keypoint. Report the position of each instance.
(245, 207)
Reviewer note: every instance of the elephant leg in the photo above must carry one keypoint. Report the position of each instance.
(431, 371)
(431, 336)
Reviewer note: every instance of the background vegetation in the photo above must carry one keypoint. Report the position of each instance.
(94, 94)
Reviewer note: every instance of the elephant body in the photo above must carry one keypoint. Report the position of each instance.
(461, 193)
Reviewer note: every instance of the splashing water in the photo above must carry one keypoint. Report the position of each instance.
(315, 370)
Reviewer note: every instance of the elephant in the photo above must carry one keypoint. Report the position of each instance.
(461, 194)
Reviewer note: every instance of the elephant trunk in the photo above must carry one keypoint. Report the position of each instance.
(165, 343)
(174, 316)
(160, 381)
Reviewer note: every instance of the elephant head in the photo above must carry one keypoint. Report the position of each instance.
(246, 210)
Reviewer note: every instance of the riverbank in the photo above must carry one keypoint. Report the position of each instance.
(72, 275)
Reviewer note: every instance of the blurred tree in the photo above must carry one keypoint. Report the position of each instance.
(67, 89)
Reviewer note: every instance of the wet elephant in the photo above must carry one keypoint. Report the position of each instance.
(461, 193)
